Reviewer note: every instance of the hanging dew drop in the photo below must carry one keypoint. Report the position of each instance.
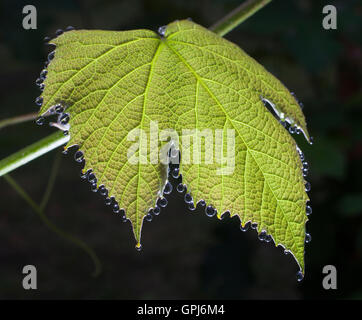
(245, 228)
(180, 188)
(78, 156)
(308, 210)
(168, 188)
(138, 247)
(39, 101)
(292, 130)
(94, 187)
(308, 238)
(43, 73)
(108, 201)
(202, 203)
(103, 191)
(115, 208)
(40, 121)
(65, 132)
(254, 226)
(175, 173)
(69, 28)
(162, 202)
(305, 165)
(268, 238)
(59, 32)
(188, 198)
(39, 81)
(300, 276)
(162, 31)
(64, 118)
(58, 109)
(92, 178)
(262, 235)
(307, 187)
(191, 206)
(149, 217)
(51, 56)
(156, 210)
(210, 211)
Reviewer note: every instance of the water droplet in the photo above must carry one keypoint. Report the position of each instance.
(138, 247)
(301, 105)
(92, 178)
(292, 129)
(262, 235)
(69, 28)
(298, 131)
(308, 210)
(210, 211)
(191, 206)
(307, 187)
(103, 191)
(41, 87)
(180, 188)
(156, 210)
(123, 215)
(286, 252)
(47, 39)
(39, 101)
(175, 172)
(162, 202)
(58, 109)
(188, 198)
(51, 55)
(78, 156)
(149, 217)
(311, 140)
(168, 188)
(64, 118)
(305, 172)
(300, 276)
(225, 215)
(162, 30)
(115, 208)
(39, 81)
(40, 121)
(301, 155)
(245, 228)
(108, 201)
(308, 238)
(202, 203)
(43, 73)
(59, 32)
(305, 165)
(65, 151)
(254, 226)
(65, 132)
(94, 187)
(268, 238)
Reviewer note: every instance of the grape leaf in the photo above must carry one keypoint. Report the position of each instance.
(187, 77)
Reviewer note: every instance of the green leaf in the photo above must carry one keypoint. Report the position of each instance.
(190, 78)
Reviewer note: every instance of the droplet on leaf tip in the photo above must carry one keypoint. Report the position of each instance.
(40, 121)
(307, 186)
(175, 172)
(162, 202)
(254, 226)
(64, 118)
(115, 208)
(78, 156)
(210, 211)
(103, 191)
(39, 101)
(188, 198)
(92, 178)
(180, 188)
(262, 235)
(59, 32)
(162, 31)
(299, 276)
(245, 228)
(94, 187)
(202, 203)
(168, 188)
(51, 55)
(149, 217)
(108, 201)
(308, 210)
(308, 238)
(156, 210)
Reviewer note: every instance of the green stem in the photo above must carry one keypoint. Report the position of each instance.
(237, 16)
(54, 228)
(32, 152)
(19, 119)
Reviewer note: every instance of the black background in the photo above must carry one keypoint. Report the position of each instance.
(188, 255)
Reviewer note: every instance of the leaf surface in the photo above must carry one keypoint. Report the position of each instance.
(113, 82)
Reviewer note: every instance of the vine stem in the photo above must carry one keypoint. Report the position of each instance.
(39, 211)
(237, 16)
(18, 119)
(32, 152)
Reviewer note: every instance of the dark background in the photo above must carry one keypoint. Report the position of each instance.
(188, 255)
